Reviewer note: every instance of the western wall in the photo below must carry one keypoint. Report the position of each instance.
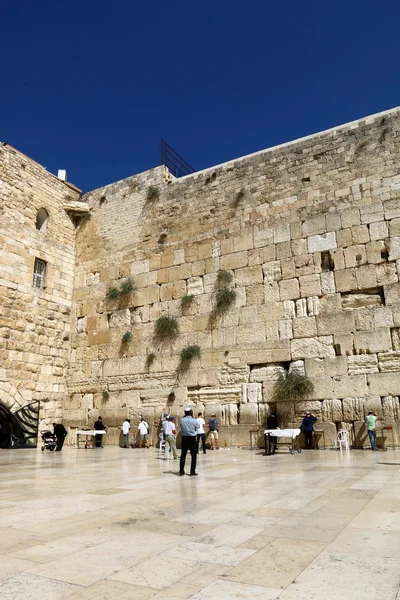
(304, 239)
(309, 234)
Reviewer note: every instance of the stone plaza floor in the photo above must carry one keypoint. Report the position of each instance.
(113, 523)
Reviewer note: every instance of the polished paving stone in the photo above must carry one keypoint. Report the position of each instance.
(114, 523)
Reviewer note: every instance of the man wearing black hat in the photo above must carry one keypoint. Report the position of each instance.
(189, 442)
(307, 427)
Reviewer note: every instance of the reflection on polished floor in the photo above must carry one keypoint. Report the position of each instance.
(113, 523)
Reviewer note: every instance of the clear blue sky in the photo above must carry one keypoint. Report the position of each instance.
(93, 86)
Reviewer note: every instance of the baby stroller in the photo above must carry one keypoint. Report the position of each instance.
(49, 440)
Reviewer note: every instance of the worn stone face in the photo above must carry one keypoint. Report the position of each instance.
(298, 271)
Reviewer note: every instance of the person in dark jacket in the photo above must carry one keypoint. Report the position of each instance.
(272, 423)
(99, 426)
(307, 427)
(60, 432)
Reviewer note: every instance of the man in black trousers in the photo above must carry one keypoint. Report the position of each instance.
(60, 432)
(189, 441)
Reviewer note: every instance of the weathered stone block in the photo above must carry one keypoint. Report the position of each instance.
(370, 342)
(390, 408)
(354, 256)
(335, 365)
(99, 337)
(335, 323)
(120, 318)
(376, 252)
(318, 243)
(362, 363)
(378, 231)
(310, 285)
(249, 276)
(366, 277)
(389, 361)
(384, 384)
(289, 289)
(236, 260)
(338, 259)
(392, 293)
(271, 292)
(195, 286)
(346, 280)
(323, 388)
(251, 393)
(360, 234)
(332, 410)
(305, 327)
(353, 409)
(312, 347)
(356, 385)
(314, 367)
(327, 283)
(344, 238)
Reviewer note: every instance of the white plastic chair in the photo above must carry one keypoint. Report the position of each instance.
(162, 444)
(342, 440)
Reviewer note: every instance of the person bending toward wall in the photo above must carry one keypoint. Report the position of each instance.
(307, 427)
(213, 426)
(60, 432)
(98, 438)
(371, 424)
(189, 442)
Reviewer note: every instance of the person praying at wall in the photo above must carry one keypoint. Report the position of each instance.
(99, 426)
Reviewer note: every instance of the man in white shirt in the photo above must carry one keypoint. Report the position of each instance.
(170, 439)
(201, 434)
(144, 433)
(126, 425)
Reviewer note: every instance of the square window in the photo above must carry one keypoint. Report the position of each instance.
(39, 272)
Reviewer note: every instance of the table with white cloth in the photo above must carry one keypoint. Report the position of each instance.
(87, 436)
(291, 434)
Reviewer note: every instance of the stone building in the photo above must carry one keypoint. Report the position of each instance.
(289, 257)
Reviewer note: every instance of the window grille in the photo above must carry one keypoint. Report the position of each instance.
(39, 273)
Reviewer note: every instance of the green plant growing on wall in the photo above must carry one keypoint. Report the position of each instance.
(106, 396)
(166, 328)
(294, 387)
(153, 194)
(224, 278)
(127, 286)
(186, 302)
(113, 293)
(187, 355)
(127, 337)
(224, 299)
(238, 198)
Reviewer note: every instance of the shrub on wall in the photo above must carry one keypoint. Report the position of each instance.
(127, 286)
(294, 387)
(150, 358)
(224, 278)
(224, 300)
(186, 301)
(190, 352)
(127, 337)
(166, 328)
(153, 194)
(113, 293)
(106, 396)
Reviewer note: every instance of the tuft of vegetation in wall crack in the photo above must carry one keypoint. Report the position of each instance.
(166, 328)
(294, 387)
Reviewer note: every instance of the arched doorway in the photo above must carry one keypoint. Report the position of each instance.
(19, 429)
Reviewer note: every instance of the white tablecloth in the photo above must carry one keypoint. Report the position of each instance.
(287, 433)
(91, 432)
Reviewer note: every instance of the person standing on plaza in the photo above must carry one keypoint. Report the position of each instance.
(371, 424)
(189, 442)
(213, 426)
(60, 432)
(126, 425)
(272, 423)
(144, 433)
(201, 434)
(307, 427)
(170, 439)
(98, 439)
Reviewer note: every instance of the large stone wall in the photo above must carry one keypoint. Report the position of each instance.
(34, 323)
(310, 232)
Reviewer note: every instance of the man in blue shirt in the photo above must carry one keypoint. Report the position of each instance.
(189, 442)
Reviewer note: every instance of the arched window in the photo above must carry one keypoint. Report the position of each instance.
(41, 219)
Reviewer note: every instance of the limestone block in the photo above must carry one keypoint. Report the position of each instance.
(248, 413)
(140, 266)
(318, 347)
(230, 413)
(289, 309)
(270, 373)
(318, 243)
(289, 289)
(210, 282)
(338, 259)
(299, 247)
(285, 329)
(250, 334)
(350, 217)
(371, 213)
(369, 342)
(249, 275)
(360, 234)
(236, 260)
(198, 268)
(314, 367)
(314, 406)
(379, 231)
(327, 283)
(336, 365)
(195, 286)
(281, 232)
(166, 291)
(263, 238)
(271, 292)
(310, 285)
(332, 410)
(375, 252)
(392, 208)
(120, 318)
(384, 384)
(335, 323)
(251, 393)
(244, 242)
(272, 271)
(344, 238)
(297, 366)
(306, 327)
(390, 408)
(283, 250)
(255, 295)
(353, 409)
(386, 273)
(346, 280)
(356, 386)
(389, 361)
(366, 277)
(362, 363)
(271, 311)
(301, 308)
(395, 332)
(383, 317)
(354, 256)
(392, 293)
(99, 337)
(323, 388)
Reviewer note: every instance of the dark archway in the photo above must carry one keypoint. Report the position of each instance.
(19, 429)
